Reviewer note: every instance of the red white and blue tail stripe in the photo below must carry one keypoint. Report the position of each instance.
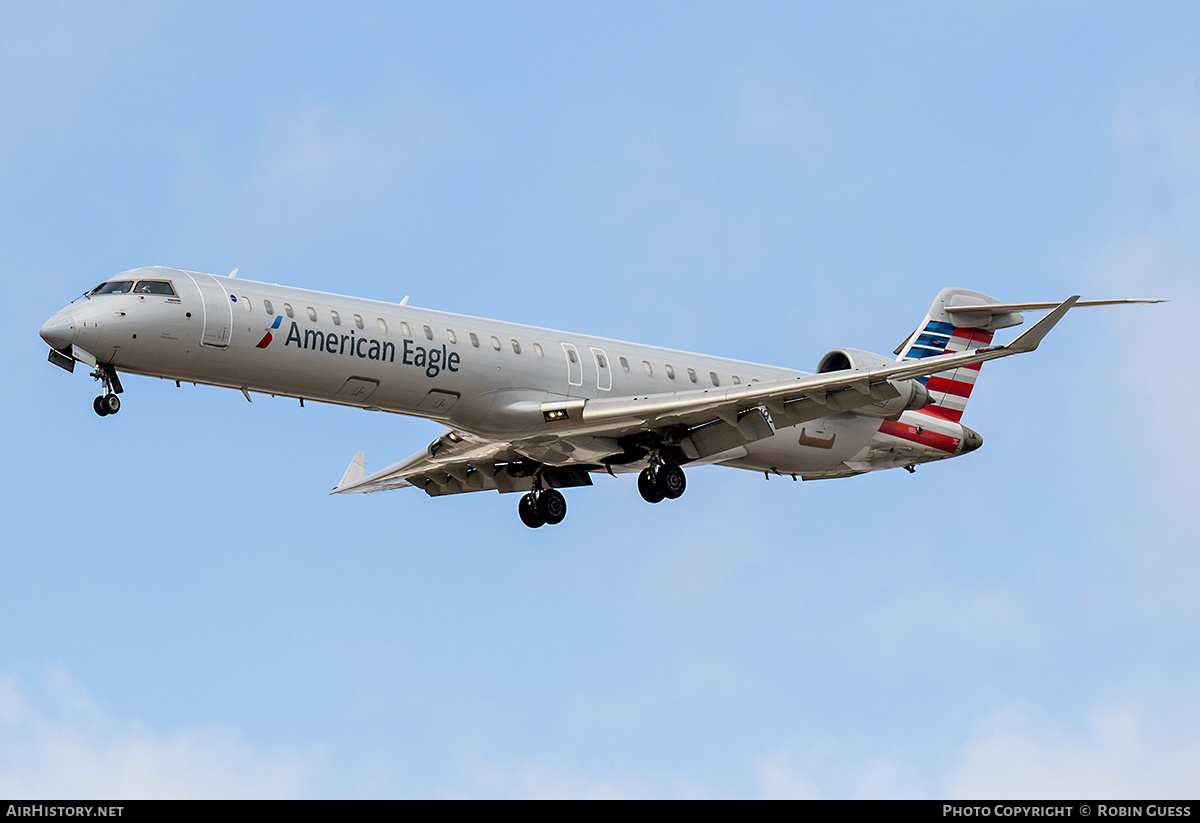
(949, 390)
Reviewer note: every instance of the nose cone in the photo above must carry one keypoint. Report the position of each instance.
(971, 440)
(59, 331)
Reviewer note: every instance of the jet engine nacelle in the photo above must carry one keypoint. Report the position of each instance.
(907, 395)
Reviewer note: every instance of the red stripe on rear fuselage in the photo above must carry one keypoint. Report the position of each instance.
(953, 415)
(921, 435)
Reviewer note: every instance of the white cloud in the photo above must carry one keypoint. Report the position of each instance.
(779, 778)
(1122, 753)
(832, 770)
(552, 781)
(57, 742)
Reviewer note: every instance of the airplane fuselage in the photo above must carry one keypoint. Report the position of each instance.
(489, 378)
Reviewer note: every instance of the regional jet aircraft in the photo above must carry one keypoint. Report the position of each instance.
(534, 410)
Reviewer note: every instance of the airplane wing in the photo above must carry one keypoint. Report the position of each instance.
(832, 392)
(706, 422)
(456, 462)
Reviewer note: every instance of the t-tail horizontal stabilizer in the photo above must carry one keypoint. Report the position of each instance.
(998, 308)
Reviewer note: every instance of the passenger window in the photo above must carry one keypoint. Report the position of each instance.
(600, 361)
(646, 368)
(451, 335)
(692, 375)
(337, 319)
(428, 333)
(312, 314)
(624, 364)
(404, 328)
(496, 343)
(287, 309)
(716, 380)
(246, 303)
(571, 356)
(474, 339)
(516, 347)
(670, 371)
(358, 320)
(382, 325)
(737, 381)
(537, 349)
(267, 305)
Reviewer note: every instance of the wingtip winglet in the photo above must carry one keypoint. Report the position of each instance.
(354, 473)
(1033, 336)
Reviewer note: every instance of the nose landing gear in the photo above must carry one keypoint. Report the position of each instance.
(108, 402)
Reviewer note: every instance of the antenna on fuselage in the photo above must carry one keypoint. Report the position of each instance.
(404, 302)
(233, 274)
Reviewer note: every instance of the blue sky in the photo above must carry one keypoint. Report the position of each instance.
(187, 613)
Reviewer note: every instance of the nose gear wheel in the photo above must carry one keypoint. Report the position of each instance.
(108, 402)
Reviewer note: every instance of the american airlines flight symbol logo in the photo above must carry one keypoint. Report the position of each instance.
(266, 341)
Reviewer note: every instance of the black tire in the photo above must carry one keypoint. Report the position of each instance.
(98, 405)
(671, 481)
(552, 506)
(528, 510)
(111, 403)
(648, 487)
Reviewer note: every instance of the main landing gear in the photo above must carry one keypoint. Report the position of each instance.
(541, 507)
(108, 402)
(661, 481)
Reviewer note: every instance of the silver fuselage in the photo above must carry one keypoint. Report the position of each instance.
(485, 377)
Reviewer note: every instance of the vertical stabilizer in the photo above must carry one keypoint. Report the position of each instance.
(941, 333)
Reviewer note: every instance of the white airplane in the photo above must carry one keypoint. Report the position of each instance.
(535, 410)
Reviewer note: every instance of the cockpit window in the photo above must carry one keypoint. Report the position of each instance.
(154, 287)
(114, 287)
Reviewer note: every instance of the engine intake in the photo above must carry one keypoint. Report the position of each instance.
(907, 395)
(856, 359)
